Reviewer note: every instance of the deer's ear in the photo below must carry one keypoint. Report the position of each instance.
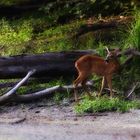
(118, 51)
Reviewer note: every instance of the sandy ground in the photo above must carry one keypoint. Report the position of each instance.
(56, 122)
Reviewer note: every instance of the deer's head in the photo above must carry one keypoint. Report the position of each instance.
(113, 54)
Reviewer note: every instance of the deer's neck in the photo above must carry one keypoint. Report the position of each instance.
(114, 63)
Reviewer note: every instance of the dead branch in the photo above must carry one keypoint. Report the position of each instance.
(46, 92)
(31, 81)
(50, 91)
(131, 51)
(12, 92)
(131, 90)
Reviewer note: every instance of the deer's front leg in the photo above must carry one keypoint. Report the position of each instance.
(102, 86)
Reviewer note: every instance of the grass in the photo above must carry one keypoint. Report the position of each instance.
(13, 35)
(133, 39)
(34, 36)
(58, 38)
(105, 104)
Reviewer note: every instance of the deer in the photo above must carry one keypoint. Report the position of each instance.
(91, 64)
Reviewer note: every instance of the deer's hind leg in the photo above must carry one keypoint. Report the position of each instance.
(86, 88)
(109, 81)
(81, 79)
(75, 83)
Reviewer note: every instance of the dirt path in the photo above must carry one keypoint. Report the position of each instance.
(52, 122)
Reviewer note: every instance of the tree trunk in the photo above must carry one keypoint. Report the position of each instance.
(46, 65)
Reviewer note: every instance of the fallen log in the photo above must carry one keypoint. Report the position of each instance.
(53, 64)
(50, 65)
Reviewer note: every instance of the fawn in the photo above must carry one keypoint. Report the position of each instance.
(88, 64)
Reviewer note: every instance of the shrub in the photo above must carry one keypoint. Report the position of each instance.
(134, 32)
(13, 34)
(105, 104)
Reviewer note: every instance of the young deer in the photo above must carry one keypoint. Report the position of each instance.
(88, 64)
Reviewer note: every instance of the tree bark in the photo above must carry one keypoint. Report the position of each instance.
(46, 65)
(50, 65)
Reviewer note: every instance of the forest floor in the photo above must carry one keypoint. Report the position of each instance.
(40, 121)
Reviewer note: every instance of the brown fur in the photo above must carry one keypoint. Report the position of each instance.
(88, 64)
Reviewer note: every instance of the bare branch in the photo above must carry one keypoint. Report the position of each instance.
(31, 81)
(46, 92)
(36, 95)
(12, 92)
(131, 51)
(132, 89)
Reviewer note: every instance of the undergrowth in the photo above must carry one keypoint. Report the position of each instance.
(105, 104)
(131, 72)
(133, 36)
(35, 35)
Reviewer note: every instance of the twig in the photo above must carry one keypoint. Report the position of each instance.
(87, 114)
(92, 114)
(20, 120)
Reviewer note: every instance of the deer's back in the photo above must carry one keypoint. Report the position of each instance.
(94, 64)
